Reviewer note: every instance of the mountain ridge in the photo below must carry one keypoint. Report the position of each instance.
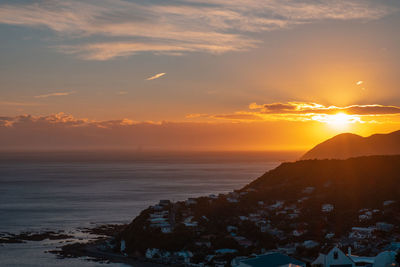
(349, 145)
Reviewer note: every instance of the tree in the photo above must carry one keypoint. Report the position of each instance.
(398, 258)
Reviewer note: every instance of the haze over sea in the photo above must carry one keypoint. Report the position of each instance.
(69, 190)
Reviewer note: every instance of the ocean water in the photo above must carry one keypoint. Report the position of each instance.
(71, 190)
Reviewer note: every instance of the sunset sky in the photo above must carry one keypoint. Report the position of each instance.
(194, 74)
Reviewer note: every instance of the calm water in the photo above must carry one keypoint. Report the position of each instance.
(68, 190)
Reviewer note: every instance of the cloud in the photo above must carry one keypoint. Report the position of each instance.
(359, 82)
(237, 116)
(62, 119)
(175, 27)
(156, 76)
(13, 103)
(54, 94)
(302, 111)
(236, 131)
(314, 108)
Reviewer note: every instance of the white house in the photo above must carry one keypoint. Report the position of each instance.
(327, 208)
(334, 258)
(361, 232)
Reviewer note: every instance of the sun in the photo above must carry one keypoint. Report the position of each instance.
(340, 121)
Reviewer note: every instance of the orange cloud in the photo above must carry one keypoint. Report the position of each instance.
(156, 76)
(314, 108)
(303, 111)
(240, 131)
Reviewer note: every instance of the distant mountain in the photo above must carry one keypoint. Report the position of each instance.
(349, 145)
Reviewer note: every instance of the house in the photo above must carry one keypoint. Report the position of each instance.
(191, 224)
(122, 246)
(382, 226)
(361, 232)
(327, 208)
(157, 207)
(264, 227)
(184, 255)
(385, 259)
(388, 202)
(299, 232)
(232, 200)
(251, 189)
(231, 228)
(191, 201)
(226, 251)
(277, 205)
(394, 246)
(329, 235)
(158, 214)
(310, 244)
(302, 199)
(157, 220)
(272, 259)
(242, 241)
(288, 249)
(164, 202)
(308, 190)
(203, 244)
(220, 262)
(166, 229)
(151, 252)
(362, 261)
(333, 258)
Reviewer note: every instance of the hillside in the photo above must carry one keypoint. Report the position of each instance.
(349, 145)
(299, 208)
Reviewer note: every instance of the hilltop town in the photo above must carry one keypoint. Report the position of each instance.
(300, 210)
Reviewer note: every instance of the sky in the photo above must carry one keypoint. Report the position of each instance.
(196, 74)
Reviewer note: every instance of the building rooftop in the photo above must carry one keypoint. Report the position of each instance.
(272, 260)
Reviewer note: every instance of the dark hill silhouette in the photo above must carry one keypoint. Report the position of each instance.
(357, 178)
(349, 145)
(349, 186)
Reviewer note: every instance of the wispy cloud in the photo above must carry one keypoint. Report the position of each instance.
(14, 103)
(176, 27)
(156, 76)
(54, 94)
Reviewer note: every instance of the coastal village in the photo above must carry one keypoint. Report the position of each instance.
(238, 229)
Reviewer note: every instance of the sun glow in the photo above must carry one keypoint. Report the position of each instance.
(339, 121)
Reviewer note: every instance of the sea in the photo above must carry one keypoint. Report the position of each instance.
(72, 190)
